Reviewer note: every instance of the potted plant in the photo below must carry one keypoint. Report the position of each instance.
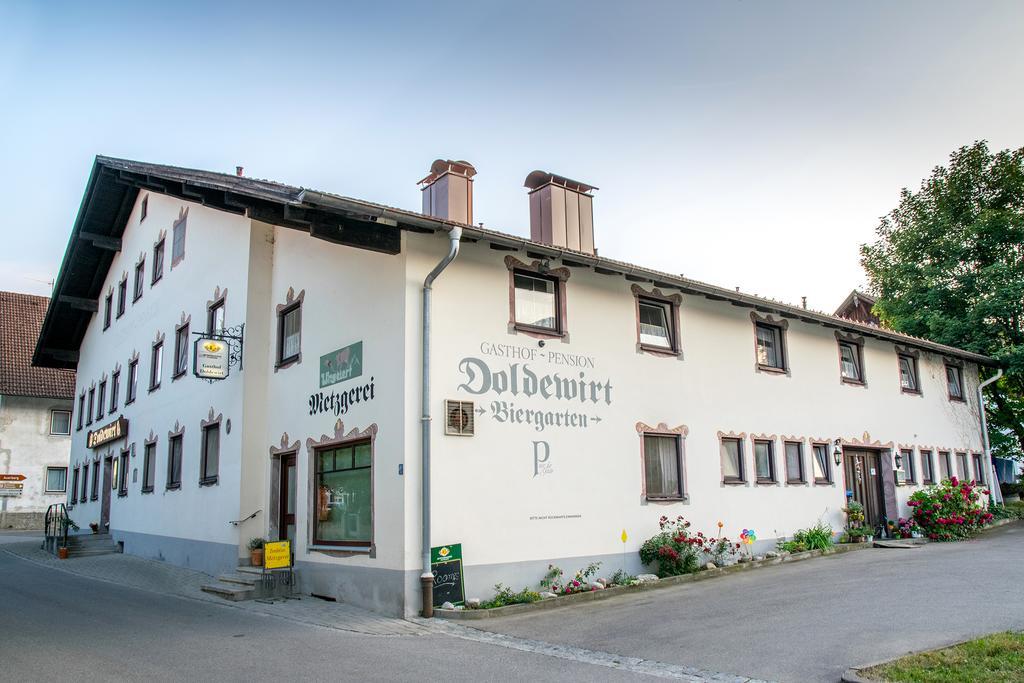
(256, 551)
(95, 527)
(62, 552)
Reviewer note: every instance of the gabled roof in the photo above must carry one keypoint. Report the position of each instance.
(21, 317)
(114, 185)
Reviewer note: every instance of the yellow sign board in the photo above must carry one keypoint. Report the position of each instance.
(277, 555)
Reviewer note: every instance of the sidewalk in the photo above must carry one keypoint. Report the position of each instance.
(166, 579)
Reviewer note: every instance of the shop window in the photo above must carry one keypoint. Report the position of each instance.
(344, 495)
(158, 261)
(794, 462)
(60, 423)
(148, 467)
(764, 461)
(663, 470)
(289, 334)
(210, 461)
(732, 461)
(56, 479)
(954, 382)
(927, 474)
(908, 374)
(174, 461)
(822, 465)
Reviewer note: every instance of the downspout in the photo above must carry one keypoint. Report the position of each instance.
(993, 485)
(427, 577)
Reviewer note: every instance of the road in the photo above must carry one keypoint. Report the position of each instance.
(807, 621)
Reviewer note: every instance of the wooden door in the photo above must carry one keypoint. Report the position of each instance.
(108, 464)
(864, 479)
(287, 495)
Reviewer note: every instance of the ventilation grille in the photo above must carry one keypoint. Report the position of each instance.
(458, 420)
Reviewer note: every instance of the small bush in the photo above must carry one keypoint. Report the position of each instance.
(673, 550)
(817, 537)
(579, 583)
(622, 578)
(951, 510)
(1008, 511)
(503, 595)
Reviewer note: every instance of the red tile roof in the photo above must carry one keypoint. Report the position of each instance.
(21, 318)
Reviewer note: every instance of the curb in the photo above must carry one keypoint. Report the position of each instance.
(567, 600)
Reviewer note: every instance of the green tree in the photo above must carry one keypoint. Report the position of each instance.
(948, 265)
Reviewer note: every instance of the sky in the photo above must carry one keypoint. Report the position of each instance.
(745, 144)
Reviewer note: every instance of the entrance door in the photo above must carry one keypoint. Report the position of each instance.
(108, 464)
(864, 479)
(286, 523)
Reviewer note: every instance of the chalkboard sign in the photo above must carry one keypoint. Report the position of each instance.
(446, 563)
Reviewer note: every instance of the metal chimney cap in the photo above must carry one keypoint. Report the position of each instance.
(442, 166)
(538, 179)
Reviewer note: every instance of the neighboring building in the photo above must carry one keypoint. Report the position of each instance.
(572, 396)
(35, 418)
(858, 306)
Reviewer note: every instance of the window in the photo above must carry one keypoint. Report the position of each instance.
(732, 461)
(56, 479)
(155, 366)
(158, 262)
(74, 486)
(122, 296)
(95, 494)
(145, 208)
(122, 475)
(536, 302)
(102, 397)
(92, 405)
(926, 467)
(344, 499)
(81, 409)
(905, 474)
(656, 328)
(822, 468)
(178, 240)
(769, 347)
(961, 466)
(180, 351)
(289, 334)
(60, 424)
(945, 465)
(215, 317)
(133, 382)
(174, 462)
(794, 462)
(764, 461)
(954, 382)
(85, 481)
(662, 466)
(108, 306)
(979, 468)
(211, 454)
(908, 374)
(115, 389)
(148, 467)
(140, 273)
(850, 362)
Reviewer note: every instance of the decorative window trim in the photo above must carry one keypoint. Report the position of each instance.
(783, 326)
(220, 297)
(183, 221)
(161, 242)
(866, 442)
(773, 461)
(130, 396)
(959, 365)
(139, 284)
(741, 437)
(178, 431)
(857, 342)
(291, 301)
(674, 302)
(123, 456)
(284, 447)
(804, 479)
(211, 420)
(81, 412)
(830, 477)
(94, 489)
(909, 475)
(915, 358)
(539, 268)
(108, 308)
(151, 440)
(122, 304)
(184, 324)
(336, 440)
(680, 433)
(922, 450)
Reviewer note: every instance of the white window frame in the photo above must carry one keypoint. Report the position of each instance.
(53, 412)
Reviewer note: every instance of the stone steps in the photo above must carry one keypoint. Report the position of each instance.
(229, 591)
(91, 545)
(245, 583)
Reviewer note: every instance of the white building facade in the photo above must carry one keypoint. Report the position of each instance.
(572, 397)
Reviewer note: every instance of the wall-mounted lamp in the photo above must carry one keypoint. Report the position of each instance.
(837, 453)
(898, 460)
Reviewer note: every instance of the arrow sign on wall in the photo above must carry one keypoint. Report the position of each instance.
(12, 477)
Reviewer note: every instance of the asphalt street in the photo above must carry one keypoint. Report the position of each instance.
(807, 621)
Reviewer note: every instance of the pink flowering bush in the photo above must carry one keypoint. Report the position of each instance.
(676, 551)
(579, 583)
(950, 511)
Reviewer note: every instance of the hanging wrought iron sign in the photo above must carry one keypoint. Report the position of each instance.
(215, 353)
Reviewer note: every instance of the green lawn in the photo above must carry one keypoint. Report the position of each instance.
(998, 658)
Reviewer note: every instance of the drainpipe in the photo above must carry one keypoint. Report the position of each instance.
(993, 485)
(427, 577)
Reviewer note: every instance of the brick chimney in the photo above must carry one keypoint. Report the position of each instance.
(561, 211)
(448, 191)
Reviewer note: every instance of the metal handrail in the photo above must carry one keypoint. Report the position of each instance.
(56, 523)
